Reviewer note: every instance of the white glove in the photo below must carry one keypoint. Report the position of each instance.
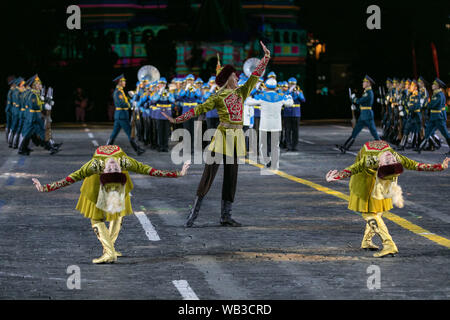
(134, 104)
(422, 101)
(353, 107)
(400, 108)
(353, 96)
(378, 100)
(52, 103)
(401, 113)
(42, 98)
(48, 107)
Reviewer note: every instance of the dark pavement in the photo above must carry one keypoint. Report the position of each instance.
(297, 241)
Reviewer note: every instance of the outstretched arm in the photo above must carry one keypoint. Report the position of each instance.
(208, 105)
(135, 166)
(410, 164)
(367, 162)
(85, 171)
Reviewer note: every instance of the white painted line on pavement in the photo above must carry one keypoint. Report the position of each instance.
(86, 129)
(305, 141)
(95, 143)
(90, 135)
(185, 290)
(150, 231)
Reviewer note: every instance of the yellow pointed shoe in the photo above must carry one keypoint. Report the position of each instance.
(389, 247)
(103, 236)
(367, 243)
(114, 229)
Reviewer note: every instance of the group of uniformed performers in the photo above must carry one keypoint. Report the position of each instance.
(410, 114)
(28, 116)
(374, 175)
(184, 94)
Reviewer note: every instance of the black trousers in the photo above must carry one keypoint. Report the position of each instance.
(163, 127)
(229, 183)
(291, 124)
(189, 125)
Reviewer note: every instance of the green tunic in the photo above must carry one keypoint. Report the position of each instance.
(363, 176)
(91, 171)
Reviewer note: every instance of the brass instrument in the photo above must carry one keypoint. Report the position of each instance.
(250, 66)
(151, 74)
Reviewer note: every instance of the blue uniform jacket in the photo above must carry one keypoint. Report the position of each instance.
(295, 111)
(164, 102)
(122, 105)
(365, 105)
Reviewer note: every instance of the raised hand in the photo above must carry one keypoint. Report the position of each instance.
(266, 51)
(185, 168)
(37, 184)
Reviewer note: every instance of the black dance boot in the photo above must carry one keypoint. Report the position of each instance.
(193, 213)
(10, 139)
(23, 147)
(136, 147)
(401, 146)
(225, 216)
(422, 145)
(16, 140)
(344, 148)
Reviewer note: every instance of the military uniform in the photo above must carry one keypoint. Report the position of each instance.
(122, 117)
(212, 117)
(9, 106)
(91, 193)
(414, 120)
(292, 115)
(366, 117)
(370, 192)
(437, 118)
(189, 100)
(164, 101)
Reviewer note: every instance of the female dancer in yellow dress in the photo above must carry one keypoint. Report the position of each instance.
(105, 193)
(374, 189)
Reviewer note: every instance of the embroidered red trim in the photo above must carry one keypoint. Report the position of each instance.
(377, 145)
(58, 184)
(429, 167)
(107, 150)
(261, 66)
(186, 116)
(343, 174)
(163, 173)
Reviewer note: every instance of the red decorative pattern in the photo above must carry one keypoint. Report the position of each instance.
(234, 105)
(58, 184)
(107, 150)
(163, 173)
(343, 174)
(429, 167)
(185, 116)
(377, 145)
(259, 70)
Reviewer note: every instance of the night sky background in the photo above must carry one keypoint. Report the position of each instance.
(30, 30)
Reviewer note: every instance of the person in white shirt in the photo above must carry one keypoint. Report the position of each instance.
(271, 103)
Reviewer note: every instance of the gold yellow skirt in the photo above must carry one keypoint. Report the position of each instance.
(371, 205)
(90, 211)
